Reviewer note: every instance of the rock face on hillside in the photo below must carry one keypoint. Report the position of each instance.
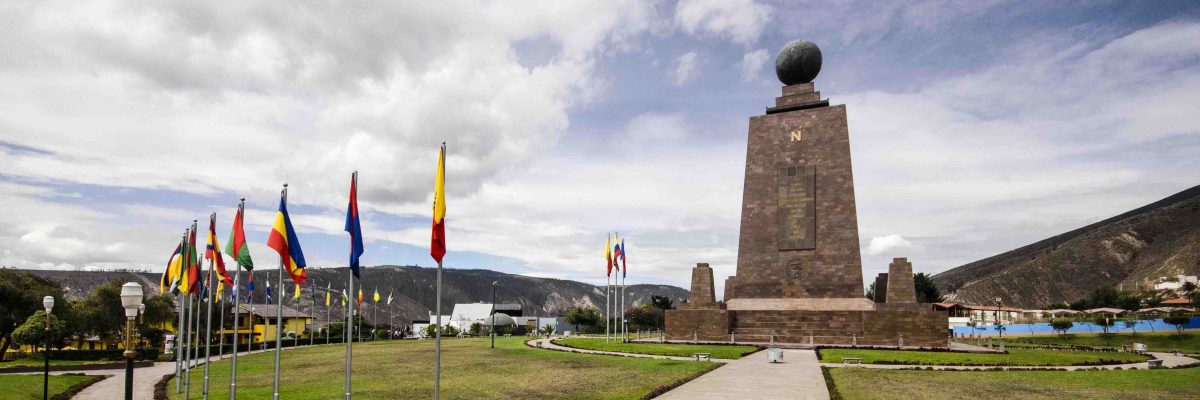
(1128, 251)
(413, 286)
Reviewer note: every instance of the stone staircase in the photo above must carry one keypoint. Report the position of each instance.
(824, 327)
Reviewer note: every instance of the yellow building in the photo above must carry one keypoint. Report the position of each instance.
(257, 322)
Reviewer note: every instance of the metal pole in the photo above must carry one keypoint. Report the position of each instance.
(349, 325)
(129, 354)
(178, 343)
(493, 315)
(46, 358)
(437, 338)
(327, 330)
(187, 361)
(607, 305)
(208, 283)
(624, 334)
(237, 284)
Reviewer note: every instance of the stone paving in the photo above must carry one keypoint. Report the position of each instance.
(754, 378)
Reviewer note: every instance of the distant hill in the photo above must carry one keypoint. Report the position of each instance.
(1129, 251)
(414, 289)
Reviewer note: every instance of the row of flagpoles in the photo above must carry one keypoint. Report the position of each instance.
(614, 293)
(183, 273)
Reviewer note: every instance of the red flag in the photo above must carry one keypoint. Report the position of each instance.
(437, 245)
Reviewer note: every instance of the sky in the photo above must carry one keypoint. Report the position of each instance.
(976, 126)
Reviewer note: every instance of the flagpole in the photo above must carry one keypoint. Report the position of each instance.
(349, 307)
(212, 219)
(179, 328)
(312, 321)
(279, 314)
(437, 338)
(187, 383)
(237, 282)
(607, 305)
(187, 331)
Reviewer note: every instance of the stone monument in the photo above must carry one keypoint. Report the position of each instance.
(799, 271)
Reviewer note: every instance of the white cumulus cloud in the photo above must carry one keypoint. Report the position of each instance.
(889, 243)
(739, 20)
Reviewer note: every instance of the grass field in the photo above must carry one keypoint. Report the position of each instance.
(22, 386)
(37, 362)
(664, 349)
(1014, 357)
(470, 370)
(864, 383)
(1156, 341)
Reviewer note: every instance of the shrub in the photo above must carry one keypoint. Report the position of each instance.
(1104, 322)
(1062, 325)
(1178, 320)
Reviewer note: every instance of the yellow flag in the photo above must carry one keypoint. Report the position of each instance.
(376, 297)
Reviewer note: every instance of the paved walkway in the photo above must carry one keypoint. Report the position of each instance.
(754, 378)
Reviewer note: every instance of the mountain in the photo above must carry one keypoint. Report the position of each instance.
(413, 287)
(1128, 251)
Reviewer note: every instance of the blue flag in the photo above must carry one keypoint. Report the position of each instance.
(353, 226)
(269, 293)
(250, 288)
(624, 252)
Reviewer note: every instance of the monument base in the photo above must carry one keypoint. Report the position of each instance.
(893, 326)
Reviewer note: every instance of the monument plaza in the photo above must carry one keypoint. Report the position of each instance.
(799, 272)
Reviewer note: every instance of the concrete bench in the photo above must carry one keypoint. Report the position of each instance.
(702, 356)
(848, 360)
(1156, 364)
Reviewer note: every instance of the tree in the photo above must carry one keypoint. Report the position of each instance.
(33, 331)
(577, 316)
(1189, 286)
(20, 297)
(644, 316)
(1178, 320)
(475, 329)
(1104, 322)
(663, 303)
(547, 330)
(1130, 323)
(927, 292)
(1061, 325)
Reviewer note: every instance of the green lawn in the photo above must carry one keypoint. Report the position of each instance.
(1015, 356)
(470, 370)
(664, 349)
(38, 362)
(864, 383)
(22, 386)
(1156, 341)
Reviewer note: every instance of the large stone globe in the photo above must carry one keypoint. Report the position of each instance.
(798, 62)
(502, 319)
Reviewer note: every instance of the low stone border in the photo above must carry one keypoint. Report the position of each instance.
(1101, 362)
(756, 348)
(160, 388)
(80, 367)
(78, 387)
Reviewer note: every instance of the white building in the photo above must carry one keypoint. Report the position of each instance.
(1176, 284)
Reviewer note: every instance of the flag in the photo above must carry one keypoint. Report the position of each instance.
(269, 293)
(376, 297)
(296, 297)
(190, 272)
(616, 251)
(250, 288)
(283, 240)
(345, 298)
(608, 254)
(213, 252)
(360, 298)
(220, 291)
(437, 245)
(327, 296)
(389, 300)
(236, 247)
(624, 252)
(170, 277)
(353, 226)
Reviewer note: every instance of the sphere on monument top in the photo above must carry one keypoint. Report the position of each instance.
(798, 62)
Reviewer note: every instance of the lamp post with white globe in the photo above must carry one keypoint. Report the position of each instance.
(131, 300)
(48, 304)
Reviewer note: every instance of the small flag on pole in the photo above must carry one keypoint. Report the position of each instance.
(213, 252)
(360, 296)
(170, 277)
(328, 288)
(236, 247)
(354, 227)
(283, 239)
(376, 297)
(269, 293)
(250, 288)
(437, 245)
(608, 254)
(389, 300)
(296, 296)
(624, 252)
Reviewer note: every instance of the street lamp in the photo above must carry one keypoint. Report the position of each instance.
(131, 300)
(494, 314)
(48, 304)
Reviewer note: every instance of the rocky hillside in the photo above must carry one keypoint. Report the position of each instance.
(1128, 251)
(413, 286)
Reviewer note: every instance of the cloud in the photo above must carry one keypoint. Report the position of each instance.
(656, 128)
(686, 68)
(741, 21)
(752, 64)
(888, 244)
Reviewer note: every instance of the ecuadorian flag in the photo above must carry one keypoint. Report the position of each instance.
(283, 240)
